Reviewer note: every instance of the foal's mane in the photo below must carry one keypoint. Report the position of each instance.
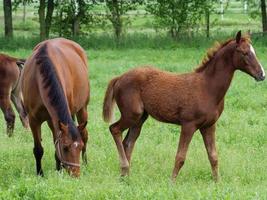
(55, 90)
(213, 50)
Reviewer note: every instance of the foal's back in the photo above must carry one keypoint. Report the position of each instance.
(168, 97)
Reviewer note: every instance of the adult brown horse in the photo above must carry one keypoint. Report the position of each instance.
(55, 88)
(193, 100)
(10, 70)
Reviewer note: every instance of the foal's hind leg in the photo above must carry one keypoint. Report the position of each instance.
(187, 132)
(208, 135)
(82, 117)
(38, 149)
(116, 130)
(17, 100)
(132, 135)
(9, 114)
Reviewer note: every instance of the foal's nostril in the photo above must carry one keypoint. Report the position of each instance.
(261, 76)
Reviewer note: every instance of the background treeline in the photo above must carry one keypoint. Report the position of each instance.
(176, 18)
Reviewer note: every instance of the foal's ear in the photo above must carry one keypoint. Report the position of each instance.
(82, 126)
(62, 127)
(238, 37)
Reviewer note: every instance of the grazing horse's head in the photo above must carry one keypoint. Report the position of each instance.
(68, 149)
(245, 58)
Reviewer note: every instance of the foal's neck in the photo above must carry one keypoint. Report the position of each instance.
(219, 72)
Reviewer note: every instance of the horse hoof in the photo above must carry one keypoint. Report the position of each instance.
(125, 171)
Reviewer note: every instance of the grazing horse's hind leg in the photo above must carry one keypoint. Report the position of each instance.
(38, 149)
(17, 100)
(9, 115)
(132, 135)
(187, 132)
(208, 135)
(82, 117)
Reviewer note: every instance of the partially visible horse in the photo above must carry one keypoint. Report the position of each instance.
(10, 70)
(55, 88)
(193, 100)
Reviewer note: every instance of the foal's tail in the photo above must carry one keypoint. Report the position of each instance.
(109, 102)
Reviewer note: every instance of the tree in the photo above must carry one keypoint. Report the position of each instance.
(263, 16)
(45, 12)
(8, 18)
(179, 15)
(115, 11)
(72, 14)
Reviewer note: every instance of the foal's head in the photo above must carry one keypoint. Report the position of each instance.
(245, 59)
(69, 149)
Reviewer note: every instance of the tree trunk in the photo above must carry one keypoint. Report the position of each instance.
(41, 12)
(207, 23)
(263, 16)
(24, 11)
(76, 27)
(49, 15)
(115, 18)
(8, 18)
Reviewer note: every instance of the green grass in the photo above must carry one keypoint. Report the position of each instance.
(241, 141)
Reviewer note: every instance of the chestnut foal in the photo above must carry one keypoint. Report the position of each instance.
(193, 100)
(10, 70)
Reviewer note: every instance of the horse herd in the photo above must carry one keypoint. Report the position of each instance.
(53, 86)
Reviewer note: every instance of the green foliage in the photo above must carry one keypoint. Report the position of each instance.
(179, 15)
(116, 9)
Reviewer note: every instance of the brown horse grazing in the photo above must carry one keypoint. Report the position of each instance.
(10, 69)
(193, 100)
(55, 88)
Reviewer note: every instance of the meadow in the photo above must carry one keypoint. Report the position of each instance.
(241, 130)
(241, 141)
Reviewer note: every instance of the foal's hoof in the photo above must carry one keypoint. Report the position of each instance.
(124, 171)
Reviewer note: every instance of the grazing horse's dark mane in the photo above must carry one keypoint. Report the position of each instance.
(55, 91)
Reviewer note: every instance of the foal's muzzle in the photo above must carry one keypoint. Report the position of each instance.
(260, 76)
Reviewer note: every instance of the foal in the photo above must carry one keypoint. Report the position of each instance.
(193, 100)
(10, 70)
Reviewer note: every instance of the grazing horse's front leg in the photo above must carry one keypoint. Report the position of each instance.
(82, 117)
(187, 132)
(50, 124)
(38, 149)
(208, 135)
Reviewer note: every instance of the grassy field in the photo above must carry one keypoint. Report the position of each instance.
(241, 141)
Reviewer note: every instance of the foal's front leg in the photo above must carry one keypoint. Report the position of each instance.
(187, 132)
(208, 135)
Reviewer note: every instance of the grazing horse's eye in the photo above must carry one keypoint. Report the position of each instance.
(65, 148)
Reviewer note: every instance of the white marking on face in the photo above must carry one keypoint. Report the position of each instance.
(75, 144)
(253, 51)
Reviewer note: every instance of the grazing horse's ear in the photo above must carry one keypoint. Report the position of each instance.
(238, 37)
(62, 127)
(82, 126)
